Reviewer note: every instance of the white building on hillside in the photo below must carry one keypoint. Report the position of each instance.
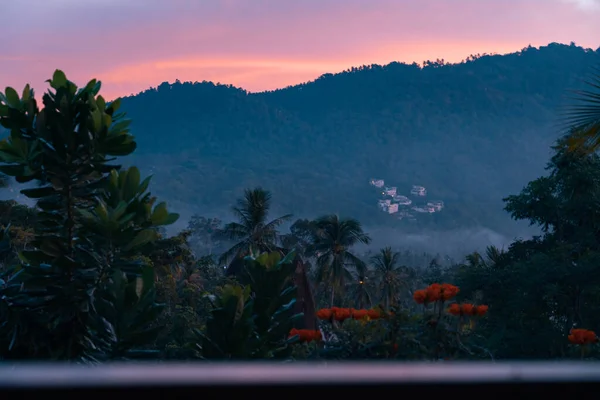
(425, 209)
(390, 191)
(383, 204)
(402, 200)
(378, 183)
(437, 205)
(418, 191)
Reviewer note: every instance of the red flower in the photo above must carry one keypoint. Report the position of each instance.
(420, 296)
(340, 314)
(582, 336)
(324, 314)
(436, 292)
(454, 309)
(467, 309)
(306, 335)
(359, 314)
(481, 310)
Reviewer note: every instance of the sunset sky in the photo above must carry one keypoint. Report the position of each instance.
(264, 44)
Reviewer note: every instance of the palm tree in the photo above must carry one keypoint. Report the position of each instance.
(392, 277)
(252, 231)
(584, 119)
(361, 289)
(493, 256)
(332, 239)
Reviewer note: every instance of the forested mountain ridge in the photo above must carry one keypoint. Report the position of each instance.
(472, 133)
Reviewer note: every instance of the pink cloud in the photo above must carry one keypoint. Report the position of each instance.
(266, 44)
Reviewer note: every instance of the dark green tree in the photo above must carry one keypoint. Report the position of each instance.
(62, 301)
(253, 231)
(391, 276)
(541, 288)
(333, 239)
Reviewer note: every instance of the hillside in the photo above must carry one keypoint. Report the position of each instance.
(471, 133)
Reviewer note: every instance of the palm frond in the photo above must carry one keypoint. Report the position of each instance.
(233, 231)
(583, 119)
(278, 221)
(233, 252)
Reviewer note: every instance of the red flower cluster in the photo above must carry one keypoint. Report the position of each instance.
(467, 309)
(342, 314)
(436, 292)
(306, 335)
(582, 336)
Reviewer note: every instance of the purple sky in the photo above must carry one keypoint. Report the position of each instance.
(263, 44)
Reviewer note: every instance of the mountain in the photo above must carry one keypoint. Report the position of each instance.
(471, 133)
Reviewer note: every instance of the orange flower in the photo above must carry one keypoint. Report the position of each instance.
(455, 309)
(467, 309)
(306, 335)
(340, 314)
(420, 296)
(481, 310)
(436, 292)
(582, 336)
(448, 291)
(359, 314)
(324, 314)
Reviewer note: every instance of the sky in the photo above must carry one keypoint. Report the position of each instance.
(131, 45)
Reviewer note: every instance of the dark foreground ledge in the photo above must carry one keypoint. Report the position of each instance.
(216, 380)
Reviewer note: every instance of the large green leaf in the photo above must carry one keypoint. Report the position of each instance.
(142, 238)
(12, 98)
(159, 214)
(37, 193)
(58, 80)
(132, 183)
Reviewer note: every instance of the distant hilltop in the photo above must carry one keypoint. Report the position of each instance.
(471, 133)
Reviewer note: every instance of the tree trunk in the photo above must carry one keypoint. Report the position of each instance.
(332, 296)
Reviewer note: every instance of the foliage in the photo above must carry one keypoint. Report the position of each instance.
(203, 234)
(92, 222)
(332, 239)
(253, 321)
(89, 274)
(252, 232)
(583, 120)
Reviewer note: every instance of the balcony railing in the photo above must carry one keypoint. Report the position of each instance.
(199, 380)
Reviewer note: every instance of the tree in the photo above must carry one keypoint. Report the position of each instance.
(541, 288)
(203, 231)
(390, 275)
(299, 238)
(253, 231)
(66, 301)
(254, 321)
(361, 288)
(332, 240)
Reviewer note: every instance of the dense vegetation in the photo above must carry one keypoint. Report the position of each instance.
(470, 132)
(88, 274)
